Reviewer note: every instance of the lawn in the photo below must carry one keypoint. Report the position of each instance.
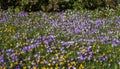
(60, 40)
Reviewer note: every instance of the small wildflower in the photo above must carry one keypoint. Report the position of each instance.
(69, 64)
(51, 68)
(61, 63)
(73, 63)
(43, 67)
(50, 60)
(119, 62)
(24, 67)
(17, 67)
(94, 45)
(11, 44)
(16, 63)
(97, 61)
(4, 68)
(56, 65)
(69, 53)
(34, 67)
(83, 51)
(56, 51)
(38, 61)
(103, 54)
(110, 60)
(0, 38)
(81, 66)
(11, 65)
(63, 67)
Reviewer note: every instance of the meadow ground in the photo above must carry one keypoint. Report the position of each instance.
(64, 40)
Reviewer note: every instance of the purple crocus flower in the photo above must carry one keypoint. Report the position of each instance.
(1, 58)
(101, 59)
(1, 19)
(22, 14)
(17, 67)
(98, 22)
(91, 53)
(119, 62)
(82, 57)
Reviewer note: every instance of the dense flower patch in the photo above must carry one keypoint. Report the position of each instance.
(62, 40)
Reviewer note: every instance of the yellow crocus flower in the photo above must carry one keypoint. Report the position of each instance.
(24, 67)
(34, 67)
(81, 66)
(0, 38)
(43, 68)
(11, 65)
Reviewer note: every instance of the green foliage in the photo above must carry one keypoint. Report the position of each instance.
(58, 5)
(44, 5)
(5, 4)
(112, 3)
(55, 5)
(93, 4)
(27, 4)
(77, 4)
